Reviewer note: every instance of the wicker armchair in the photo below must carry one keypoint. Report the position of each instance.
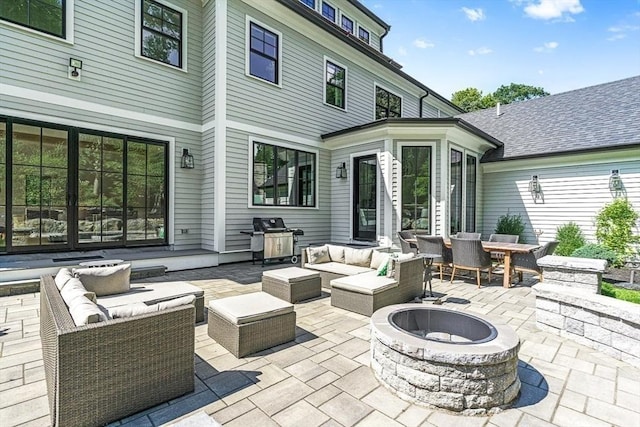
(435, 245)
(504, 238)
(529, 262)
(465, 235)
(407, 247)
(469, 255)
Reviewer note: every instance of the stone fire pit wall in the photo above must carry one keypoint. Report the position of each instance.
(471, 379)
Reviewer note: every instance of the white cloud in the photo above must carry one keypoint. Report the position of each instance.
(620, 32)
(423, 44)
(480, 51)
(474, 14)
(402, 51)
(547, 47)
(618, 36)
(554, 9)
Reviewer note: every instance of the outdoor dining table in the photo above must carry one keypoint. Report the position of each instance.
(506, 248)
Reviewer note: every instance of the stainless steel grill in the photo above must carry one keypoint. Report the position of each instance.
(271, 239)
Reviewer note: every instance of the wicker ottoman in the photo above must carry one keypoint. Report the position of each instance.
(249, 323)
(291, 284)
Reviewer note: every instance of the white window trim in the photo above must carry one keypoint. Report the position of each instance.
(379, 190)
(463, 220)
(247, 50)
(324, 83)
(292, 146)
(355, 24)
(432, 190)
(335, 11)
(316, 2)
(69, 26)
(357, 34)
(138, 35)
(375, 85)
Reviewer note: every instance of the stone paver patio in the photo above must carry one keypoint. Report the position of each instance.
(323, 378)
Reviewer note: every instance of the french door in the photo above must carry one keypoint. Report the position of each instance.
(68, 189)
(365, 185)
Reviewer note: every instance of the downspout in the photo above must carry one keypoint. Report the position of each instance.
(420, 104)
(386, 31)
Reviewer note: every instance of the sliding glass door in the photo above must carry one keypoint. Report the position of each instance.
(365, 184)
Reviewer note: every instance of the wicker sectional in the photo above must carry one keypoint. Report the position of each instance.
(104, 371)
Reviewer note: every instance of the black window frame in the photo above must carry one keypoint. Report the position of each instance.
(264, 55)
(306, 3)
(63, 17)
(328, 7)
(329, 84)
(366, 39)
(302, 179)
(386, 106)
(347, 19)
(162, 34)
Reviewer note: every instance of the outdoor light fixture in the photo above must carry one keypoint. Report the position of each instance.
(76, 64)
(341, 171)
(535, 189)
(187, 159)
(615, 182)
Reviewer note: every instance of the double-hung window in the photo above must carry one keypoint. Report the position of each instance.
(329, 11)
(45, 16)
(283, 176)
(162, 33)
(363, 35)
(264, 50)
(347, 24)
(335, 84)
(387, 104)
(309, 3)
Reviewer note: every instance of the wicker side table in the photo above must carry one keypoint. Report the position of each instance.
(292, 284)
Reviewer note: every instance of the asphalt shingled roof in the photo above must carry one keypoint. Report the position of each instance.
(606, 116)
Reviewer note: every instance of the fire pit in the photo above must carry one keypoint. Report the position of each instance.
(445, 358)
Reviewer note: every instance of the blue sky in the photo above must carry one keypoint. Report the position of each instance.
(559, 45)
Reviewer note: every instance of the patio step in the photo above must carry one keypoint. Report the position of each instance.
(27, 286)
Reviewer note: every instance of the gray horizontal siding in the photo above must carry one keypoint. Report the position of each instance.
(208, 61)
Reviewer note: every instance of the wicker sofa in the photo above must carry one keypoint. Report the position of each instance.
(102, 372)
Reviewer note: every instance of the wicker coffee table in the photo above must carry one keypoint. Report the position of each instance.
(292, 284)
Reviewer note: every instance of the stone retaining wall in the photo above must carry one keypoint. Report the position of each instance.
(567, 304)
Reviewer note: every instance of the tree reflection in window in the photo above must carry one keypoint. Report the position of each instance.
(46, 16)
(161, 33)
(416, 188)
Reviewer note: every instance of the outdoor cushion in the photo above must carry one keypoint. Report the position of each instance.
(318, 255)
(248, 308)
(360, 257)
(366, 283)
(105, 280)
(336, 253)
(72, 289)
(291, 274)
(151, 293)
(378, 258)
(63, 276)
(138, 308)
(84, 311)
(338, 268)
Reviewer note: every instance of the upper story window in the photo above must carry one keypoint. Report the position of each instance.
(363, 35)
(335, 85)
(44, 16)
(387, 104)
(162, 33)
(329, 11)
(347, 24)
(310, 3)
(283, 176)
(264, 53)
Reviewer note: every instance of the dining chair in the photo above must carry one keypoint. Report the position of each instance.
(435, 245)
(528, 262)
(407, 247)
(467, 235)
(502, 238)
(468, 254)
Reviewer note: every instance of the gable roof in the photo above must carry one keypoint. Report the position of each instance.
(601, 117)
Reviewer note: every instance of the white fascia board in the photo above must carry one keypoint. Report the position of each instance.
(469, 140)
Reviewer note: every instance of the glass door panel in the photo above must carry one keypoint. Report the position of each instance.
(365, 217)
(3, 193)
(416, 189)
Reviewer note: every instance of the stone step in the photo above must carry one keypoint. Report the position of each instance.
(144, 272)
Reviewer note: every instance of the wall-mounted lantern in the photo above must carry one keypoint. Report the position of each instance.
(615, 182)
(535, 189)
(341, 171)
(187, 160)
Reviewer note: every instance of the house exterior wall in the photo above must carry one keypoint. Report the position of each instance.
(575, 188)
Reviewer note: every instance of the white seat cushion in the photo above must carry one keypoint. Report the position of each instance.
(338, 268)
(150, 293)
(291, 274)
(366, 283)
(250, 307)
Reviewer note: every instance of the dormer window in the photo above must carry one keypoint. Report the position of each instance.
(363, 35)
(329, 11)
(347, 24)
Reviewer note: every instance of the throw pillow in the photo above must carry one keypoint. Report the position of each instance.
(84, 311)
(62, 278)
(378, 258)
(382, 269)
(133, 309)
(72, 289)
(404, 257)
(359, 257)
(105, 280)
(176, 302)
(336, 253)
(318, 255)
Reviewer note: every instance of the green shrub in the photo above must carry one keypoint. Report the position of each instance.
(614, 226)
(618, 293)
(511, 224)
(570, 238)
(598, 252)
